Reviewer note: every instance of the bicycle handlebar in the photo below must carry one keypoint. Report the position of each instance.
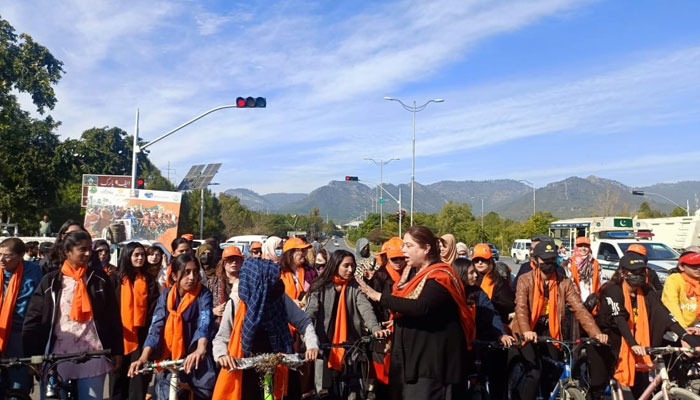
(669, 350)
(289, 360)
(16, 361)
(165, 364)
(362, 340)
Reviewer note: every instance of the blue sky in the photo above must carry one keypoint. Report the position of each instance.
(537, 90)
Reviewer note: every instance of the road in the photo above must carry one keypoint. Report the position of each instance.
(331, 247)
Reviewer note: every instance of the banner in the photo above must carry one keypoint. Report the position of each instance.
(122, 214)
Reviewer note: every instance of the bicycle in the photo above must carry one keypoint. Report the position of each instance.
(478, 385)
(266, 364)
(49, 369)
(567, 387)
(669, 389)
(356, 360)
(174, 366)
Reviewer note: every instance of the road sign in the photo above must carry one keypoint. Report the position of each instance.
(381, 201)
(91, 181)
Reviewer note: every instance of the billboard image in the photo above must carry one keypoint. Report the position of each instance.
(124, 214)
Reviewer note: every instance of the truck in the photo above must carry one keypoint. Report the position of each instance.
(678, 232)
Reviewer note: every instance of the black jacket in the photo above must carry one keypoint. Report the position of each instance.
(153, 294)
(428, 337)
(43, 311)
(503, 296)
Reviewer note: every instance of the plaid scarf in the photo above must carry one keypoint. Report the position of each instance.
(584, 265)
(256, 281)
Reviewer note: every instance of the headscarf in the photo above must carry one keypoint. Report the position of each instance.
(462, 246)
(449, 251)
(257, 279)
(268, 249)
(209, 268)
(585, 269)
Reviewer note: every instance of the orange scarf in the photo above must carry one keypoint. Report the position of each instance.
(229, 385)
(8, 303)
(626, 361)
(538, 304)
(394, 274)
(595, 277)
(692, 289)
(293, 289)
(445, 275)
(487, 284)
(167, 276)
(174, 341)
(80, 309)
(134, 306)
(340, 333)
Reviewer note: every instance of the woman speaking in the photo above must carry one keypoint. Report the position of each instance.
(433, 326)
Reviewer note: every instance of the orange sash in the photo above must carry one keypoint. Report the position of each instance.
(340, 333)
(487, 284)
(174, 342)
(445, 275)
(538, 304)
(292, 288)
(692, 289)
(8, 303)
(80, 309)
(595, 277)
(394, 274)
(134, 306)
(229, 385)
(626, 361)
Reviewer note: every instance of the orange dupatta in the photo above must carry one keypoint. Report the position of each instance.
(80, 309)
(595, 277)
(539, 303)
(340, 333)
(293, 289)
(394, 274)
(626, 361)
(134, 306)
(174, 341)
(445, 275)
(692, 289)
(487, 285)
(229, 384)
(8, 303)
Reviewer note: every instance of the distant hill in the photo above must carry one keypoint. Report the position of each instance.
(573, 197)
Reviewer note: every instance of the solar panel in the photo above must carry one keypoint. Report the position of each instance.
(194, 173)
(199, 177)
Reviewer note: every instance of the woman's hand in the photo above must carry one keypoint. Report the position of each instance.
(638, 351)
(193, 360)
(227, 362)
(382, 333)
(388, 324)
(506, 340)
(371, 293)
(692, 330)
(135, 367)
(311, 354)
(602, 338)
(530, 336)
(219, 310)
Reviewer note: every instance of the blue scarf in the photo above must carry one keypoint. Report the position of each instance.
(256, 281)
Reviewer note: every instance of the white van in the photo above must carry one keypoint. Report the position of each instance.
(520, 250)
(247, 239)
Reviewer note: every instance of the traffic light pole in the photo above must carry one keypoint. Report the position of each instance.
(394, 198)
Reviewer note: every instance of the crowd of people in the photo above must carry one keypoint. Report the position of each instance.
(427, 300)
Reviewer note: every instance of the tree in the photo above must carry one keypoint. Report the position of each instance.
(537, 224)
(645, 211)
(237, 219)
(190, 212)
(678, 212)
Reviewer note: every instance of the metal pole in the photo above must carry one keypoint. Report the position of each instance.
(687, 207)
(201, 215)
(400, 209)
(413, 160)
(533, 199)
(135, 151)
(381, 197)
(482, 215)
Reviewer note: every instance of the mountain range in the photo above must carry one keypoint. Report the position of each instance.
(344, 201)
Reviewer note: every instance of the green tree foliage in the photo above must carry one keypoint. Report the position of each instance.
(237, 219)
(190, 212)
(645, 211)
(678, 212)
(536, 224)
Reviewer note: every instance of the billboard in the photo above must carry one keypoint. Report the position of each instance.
(89, 180)
(133, 214)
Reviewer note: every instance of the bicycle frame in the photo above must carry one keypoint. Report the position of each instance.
(174, 366)
(661, 378)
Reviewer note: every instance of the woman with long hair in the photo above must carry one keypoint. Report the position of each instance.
(102, 252)
(224, 284)
(433, 325)
(340, 313)
(72, 311)
(154, 260)
(136, 294)
(178, 246)
(496, 287)
(295, 273)
(53, 261)
(180, 329)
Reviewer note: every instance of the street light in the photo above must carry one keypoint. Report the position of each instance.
(533, 193)
(413, 110)
(356, 179)
(381, 164)
(201, 211)
(643, 193)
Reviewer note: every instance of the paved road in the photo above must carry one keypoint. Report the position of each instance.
(331, 247)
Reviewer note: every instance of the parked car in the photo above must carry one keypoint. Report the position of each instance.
(494, 251)
(520, 252)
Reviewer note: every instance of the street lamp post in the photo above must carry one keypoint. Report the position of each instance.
(533, 193)
(392, 196)
(381, 164)
(643, 193)
(414, 109)
(201, 211)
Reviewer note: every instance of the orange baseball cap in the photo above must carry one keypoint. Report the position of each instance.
(255, 245)
(393, 248)
(231, 251)
(482, 250)
(583, 240)
(637, 248)
(295, 243)
(188, 236)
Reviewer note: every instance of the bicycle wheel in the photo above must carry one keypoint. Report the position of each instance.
(516, 375)
(572, 393)
(677, 394)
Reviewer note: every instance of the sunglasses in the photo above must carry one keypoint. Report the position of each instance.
(255, 252)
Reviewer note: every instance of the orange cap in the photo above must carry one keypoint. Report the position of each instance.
(637, 248)
(393, 248)
(188, 236)
(482, 250)
(583, 240)
(295, 243)
(255, 245)
(231, 251)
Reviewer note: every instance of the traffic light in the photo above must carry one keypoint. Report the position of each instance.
(140, 183)
(352, 178)
(403, 215)
(251, 102)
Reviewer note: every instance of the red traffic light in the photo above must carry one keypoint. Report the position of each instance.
(251, 102)
(140, 183)
(352, 178)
